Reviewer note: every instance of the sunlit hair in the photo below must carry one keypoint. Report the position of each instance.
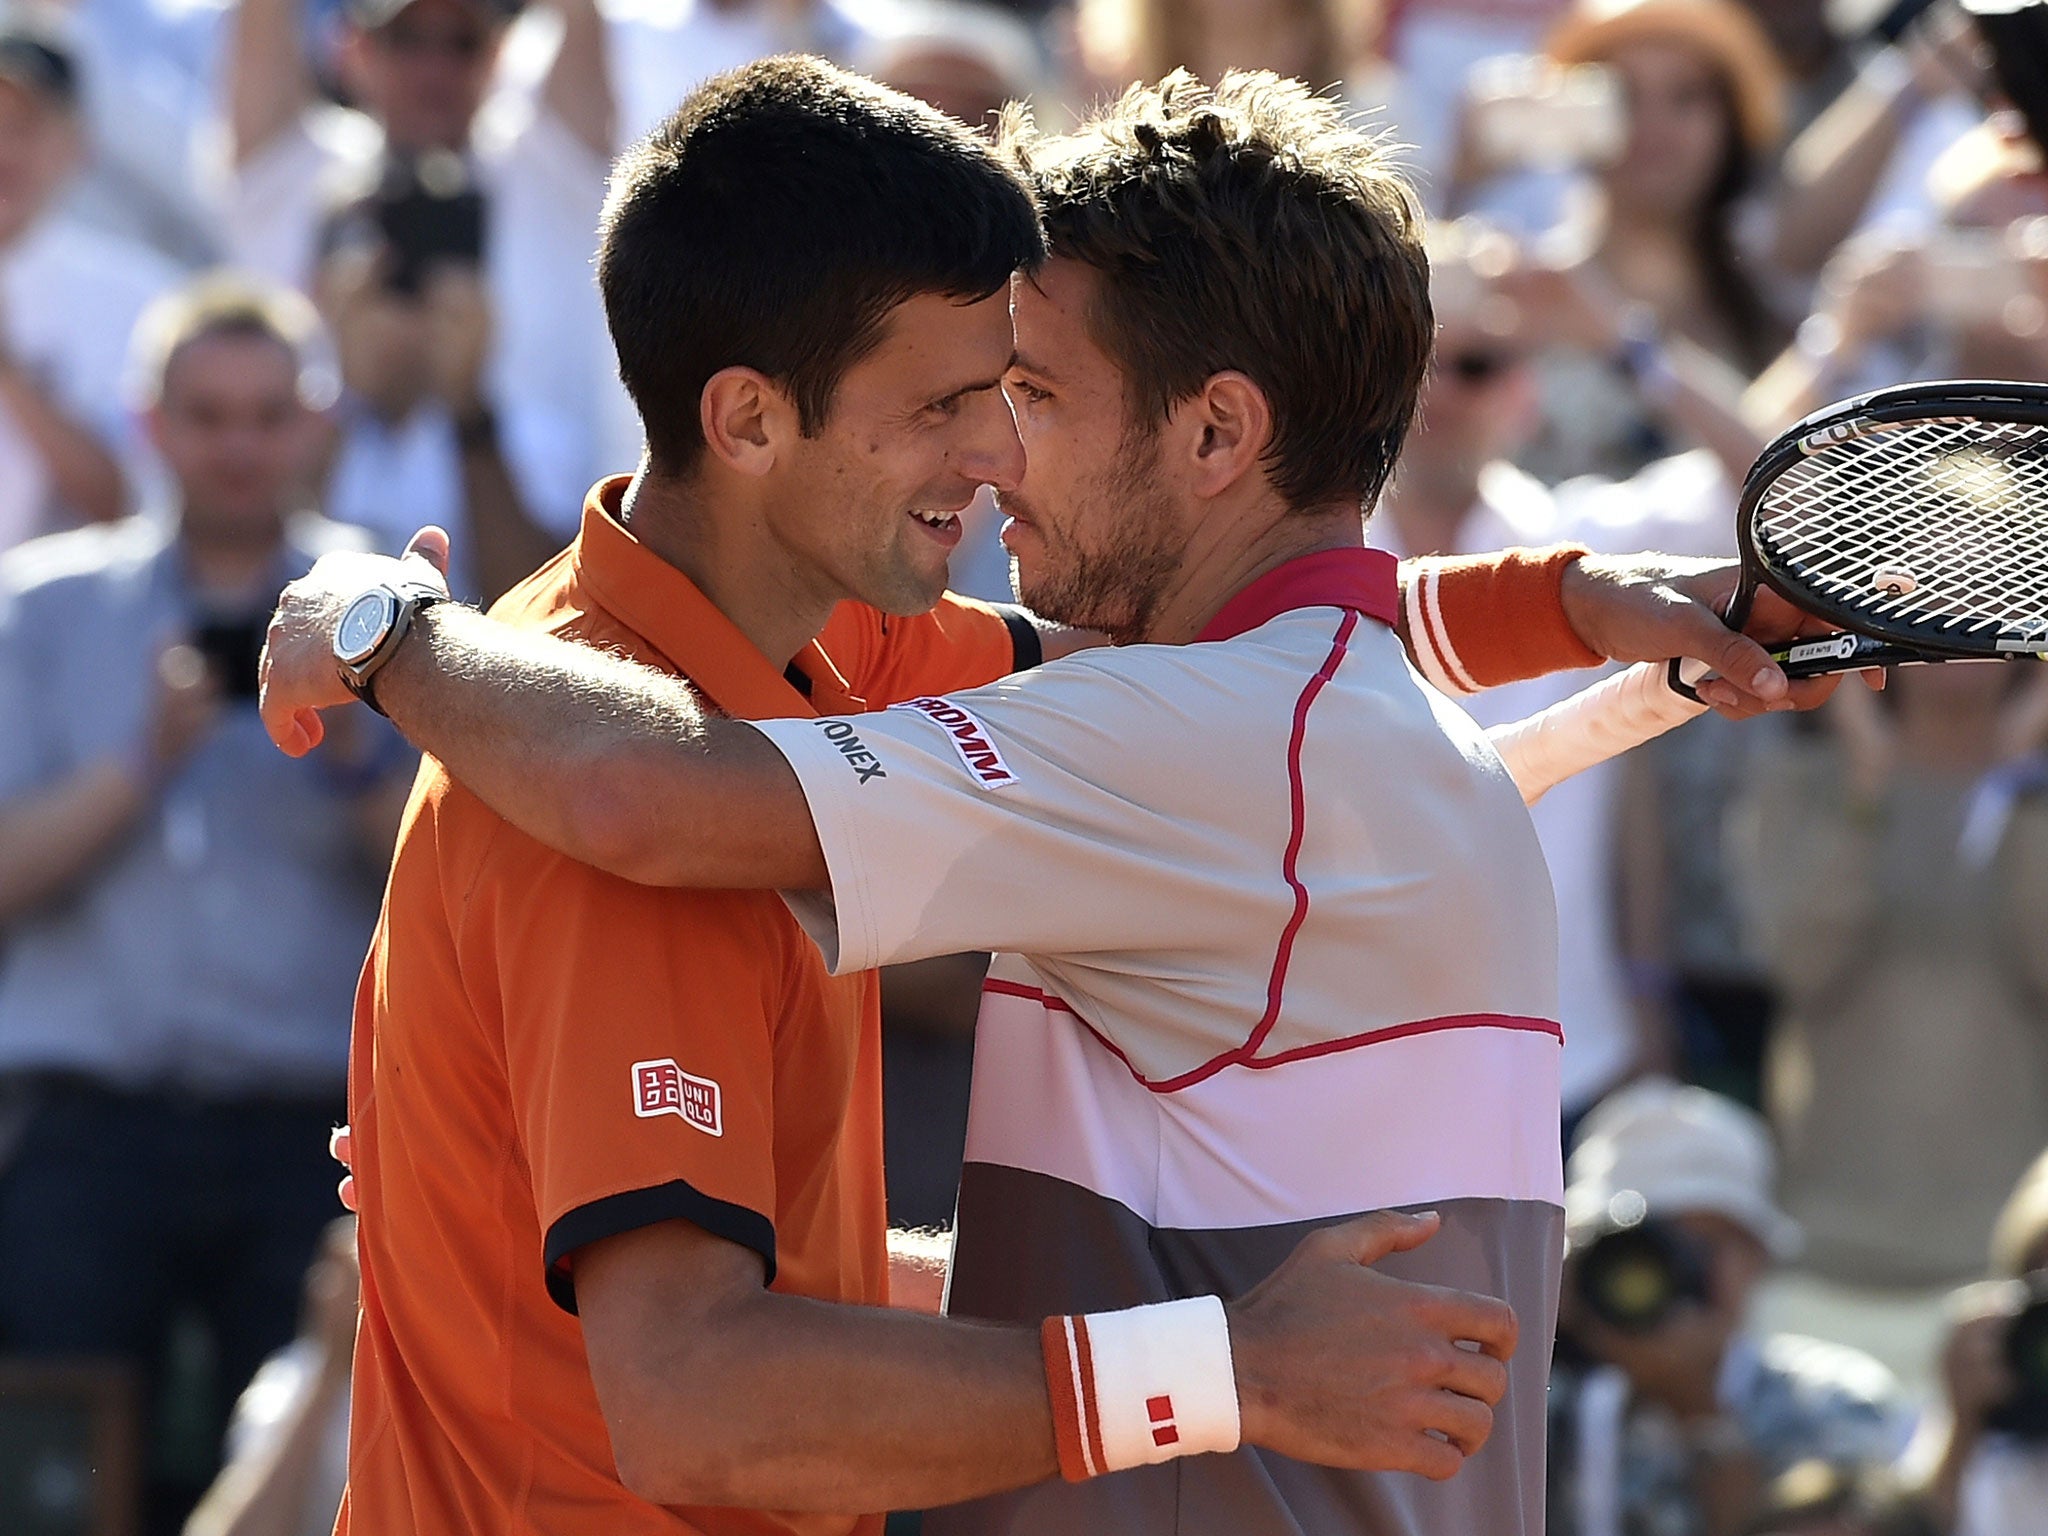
(1250, 227)
(226, 303)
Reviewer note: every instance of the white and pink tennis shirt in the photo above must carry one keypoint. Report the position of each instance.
(1276, 946)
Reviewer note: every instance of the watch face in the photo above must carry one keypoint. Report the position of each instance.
(364, 625)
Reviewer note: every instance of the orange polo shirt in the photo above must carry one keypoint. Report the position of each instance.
(545, 1055)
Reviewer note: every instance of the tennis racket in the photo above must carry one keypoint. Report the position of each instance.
(1914, 518)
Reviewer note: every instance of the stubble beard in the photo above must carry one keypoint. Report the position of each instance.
(1114, 588)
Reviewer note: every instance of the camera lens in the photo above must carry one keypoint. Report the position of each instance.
(2025, 1413)
(1633, 1277)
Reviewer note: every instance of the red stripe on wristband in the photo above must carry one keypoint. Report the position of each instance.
(1064, 1385)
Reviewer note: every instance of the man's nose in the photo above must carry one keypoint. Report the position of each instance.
(997, 456)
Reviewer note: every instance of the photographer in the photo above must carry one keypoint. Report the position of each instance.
(184, 912)
(447, 237)
(1987, 1451)
(1668, 1414)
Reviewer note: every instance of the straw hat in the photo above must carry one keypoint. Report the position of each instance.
(1593, 29)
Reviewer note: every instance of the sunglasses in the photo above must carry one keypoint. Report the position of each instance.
(1478, 367)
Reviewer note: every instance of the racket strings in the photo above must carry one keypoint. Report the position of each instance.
(1934, 524)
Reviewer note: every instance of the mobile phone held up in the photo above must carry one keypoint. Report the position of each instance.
(429, 212)
(1528, 114)
(233, 648)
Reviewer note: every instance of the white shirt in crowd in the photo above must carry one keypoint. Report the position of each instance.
(1682, 505)
(148, 74)
(69, 299)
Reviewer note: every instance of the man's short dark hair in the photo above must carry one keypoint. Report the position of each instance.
(774, 221)
(1249, 227)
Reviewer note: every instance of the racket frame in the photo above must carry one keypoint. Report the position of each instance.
(1867, 645)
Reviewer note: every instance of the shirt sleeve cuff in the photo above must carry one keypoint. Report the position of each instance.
(636, 1208)
(841, 921)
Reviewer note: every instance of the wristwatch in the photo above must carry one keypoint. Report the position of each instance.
(371, 628)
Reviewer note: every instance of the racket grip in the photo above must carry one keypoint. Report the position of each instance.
(1597, 723)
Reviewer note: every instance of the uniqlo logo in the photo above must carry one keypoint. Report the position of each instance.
(663, 1088)
(1160, 1411)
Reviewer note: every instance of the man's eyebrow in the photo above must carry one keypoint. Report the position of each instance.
(980, 386)
(1031, 366)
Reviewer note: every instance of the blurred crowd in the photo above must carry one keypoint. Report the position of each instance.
(281, 276)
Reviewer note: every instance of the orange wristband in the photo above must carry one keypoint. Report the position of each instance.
(1477, 621)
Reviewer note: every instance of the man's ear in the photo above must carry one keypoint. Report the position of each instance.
(1227, 425)
(747, 421)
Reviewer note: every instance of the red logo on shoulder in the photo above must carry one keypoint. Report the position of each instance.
(663, 1088)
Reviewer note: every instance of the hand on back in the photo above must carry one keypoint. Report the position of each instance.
(1342, 1365)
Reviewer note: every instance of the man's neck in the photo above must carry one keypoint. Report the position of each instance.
(747, 575)
(1222, 563)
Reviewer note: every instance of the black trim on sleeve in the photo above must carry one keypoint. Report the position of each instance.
(1027, 644)
(638, 1208)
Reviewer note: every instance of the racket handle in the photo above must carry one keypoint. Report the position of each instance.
(1597, 723)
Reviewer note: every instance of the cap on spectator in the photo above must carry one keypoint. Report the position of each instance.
(372, 14)
(1722, 29)
(35, 54)
(1682, 1150)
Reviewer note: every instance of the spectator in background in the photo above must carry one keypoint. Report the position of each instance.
(183, 911)
(1432, 46)
(149, 68)
(1704, 102)
(68, 300)
(1456, 492)
(1862, 161)
(1670, 1412)
(1898, 864)
(287, 1450)
(1323, 42)
(1986, 1451)
(452, 256)
(1968, 301)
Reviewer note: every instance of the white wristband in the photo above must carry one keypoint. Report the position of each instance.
(1142, 1385)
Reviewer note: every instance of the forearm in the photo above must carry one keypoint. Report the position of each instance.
(578, 89)
(1704, 402)
(87, 479)
(611, 762)
(1833, 167)
(917, 1268)
(49, 839)
(833, 1408)
(269, 81)
(510, 546)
